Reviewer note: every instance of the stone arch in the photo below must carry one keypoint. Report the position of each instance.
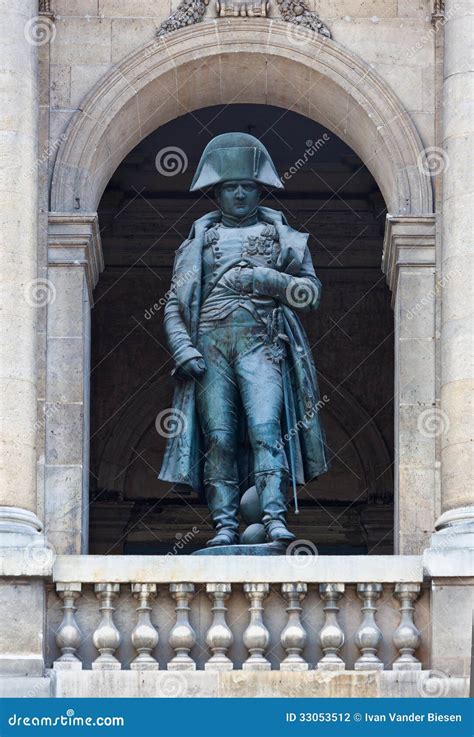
(192, 68)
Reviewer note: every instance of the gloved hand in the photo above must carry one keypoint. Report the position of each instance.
(269, 282)
(240, 278)
(246, 278)
(191, 369)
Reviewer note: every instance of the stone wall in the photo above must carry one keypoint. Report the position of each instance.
(396, 37)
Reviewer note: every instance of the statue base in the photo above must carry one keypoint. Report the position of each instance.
(258, 549)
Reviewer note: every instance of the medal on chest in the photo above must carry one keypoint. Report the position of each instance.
(265, 244)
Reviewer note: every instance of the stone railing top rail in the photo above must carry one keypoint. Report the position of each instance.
(227, 569)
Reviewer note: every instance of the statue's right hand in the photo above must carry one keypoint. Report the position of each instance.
(192, 369)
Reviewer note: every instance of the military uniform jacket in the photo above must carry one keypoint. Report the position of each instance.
(301, 426)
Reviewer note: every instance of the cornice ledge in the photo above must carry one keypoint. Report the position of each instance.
(409, 241)
(74, 240)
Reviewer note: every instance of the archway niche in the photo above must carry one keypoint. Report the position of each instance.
(246, 61)
(250, 62)
(144, 215)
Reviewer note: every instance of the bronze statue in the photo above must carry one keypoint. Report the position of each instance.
(247, 385)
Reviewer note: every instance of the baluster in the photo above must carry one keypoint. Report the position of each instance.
(219, 636)
(256, 636)
(368, 635)
(293, 637)
(106, 637)
(182, 637)
(144, 635)
(331, 637)
(68, 636)
(407, 637)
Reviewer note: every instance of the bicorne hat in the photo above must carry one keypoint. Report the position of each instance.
(235, 156)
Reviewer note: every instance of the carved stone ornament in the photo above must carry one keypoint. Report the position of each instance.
(242, 8)
(187, 13)
(296, 12)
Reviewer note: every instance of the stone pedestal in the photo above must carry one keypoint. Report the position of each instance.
(451, 573)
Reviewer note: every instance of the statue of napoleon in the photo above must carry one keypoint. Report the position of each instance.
(247, 388)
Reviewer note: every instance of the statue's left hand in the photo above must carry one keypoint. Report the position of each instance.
(246, 279)
(241, 278)
(192, 369)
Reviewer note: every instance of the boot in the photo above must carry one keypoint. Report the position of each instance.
(223, 502)
(272, 489)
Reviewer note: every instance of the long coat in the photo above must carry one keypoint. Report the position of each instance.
(302, 432)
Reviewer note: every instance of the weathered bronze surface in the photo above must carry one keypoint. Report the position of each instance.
(247, 395)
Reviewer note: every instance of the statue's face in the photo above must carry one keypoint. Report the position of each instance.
(238, 198)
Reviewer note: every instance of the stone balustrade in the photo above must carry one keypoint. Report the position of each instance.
(187, 613)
